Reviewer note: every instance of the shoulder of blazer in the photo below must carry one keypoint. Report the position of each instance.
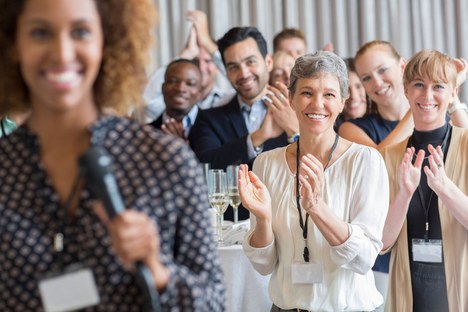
(157, 123)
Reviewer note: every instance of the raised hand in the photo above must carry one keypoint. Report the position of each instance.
(191, 49)
(435, 172)
(409, 175)
(328, 47)
(278, 104)
(200, 23)
(311, 184)
(462, 68)
(268, 130)
(174, 127)
(254, 194)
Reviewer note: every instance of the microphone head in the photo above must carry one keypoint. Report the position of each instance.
(96, 167)
(95, 163)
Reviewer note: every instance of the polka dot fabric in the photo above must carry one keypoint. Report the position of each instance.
(156, 174)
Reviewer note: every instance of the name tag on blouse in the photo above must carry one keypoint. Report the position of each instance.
(70, 290)
(427, 251)
(306, 273)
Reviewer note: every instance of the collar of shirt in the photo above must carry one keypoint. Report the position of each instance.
(253, 114)
(210, 101)
(7, 125)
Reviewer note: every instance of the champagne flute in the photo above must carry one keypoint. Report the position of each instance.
(233, 189)
(218, 199)
(206, 168)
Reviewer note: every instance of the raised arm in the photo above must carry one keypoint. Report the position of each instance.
(448, 192)
(353, 133)
(409, 176)
(458, 111)
(256, 198)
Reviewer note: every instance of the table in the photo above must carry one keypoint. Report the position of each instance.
(246, 289)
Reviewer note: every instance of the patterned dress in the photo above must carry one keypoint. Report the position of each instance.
(156, 174)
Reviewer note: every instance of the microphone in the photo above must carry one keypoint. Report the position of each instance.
(96, 167)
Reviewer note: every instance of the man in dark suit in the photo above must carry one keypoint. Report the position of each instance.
(181, 90)
(256, 119)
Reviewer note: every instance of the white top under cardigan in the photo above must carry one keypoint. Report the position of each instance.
(357, 190)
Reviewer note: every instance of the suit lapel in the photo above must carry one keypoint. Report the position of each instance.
(157, 123)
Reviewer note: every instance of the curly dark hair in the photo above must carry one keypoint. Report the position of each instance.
(128, 27)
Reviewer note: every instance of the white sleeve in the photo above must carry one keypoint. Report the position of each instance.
(153, 95)
(263, 259)
(367, 213)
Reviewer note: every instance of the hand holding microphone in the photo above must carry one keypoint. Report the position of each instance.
(134, 235)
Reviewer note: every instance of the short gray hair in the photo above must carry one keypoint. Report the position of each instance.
(315, 64)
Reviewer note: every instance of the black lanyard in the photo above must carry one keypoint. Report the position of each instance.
(427, 207)
(298, 196)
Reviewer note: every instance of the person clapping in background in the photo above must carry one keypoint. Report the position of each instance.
(317, 206)
(427, 224)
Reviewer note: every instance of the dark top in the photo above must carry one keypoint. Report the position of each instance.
(375, 126)
(156, 174)
(427, 279)
(416, 213)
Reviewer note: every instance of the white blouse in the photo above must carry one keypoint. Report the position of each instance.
(357, 190)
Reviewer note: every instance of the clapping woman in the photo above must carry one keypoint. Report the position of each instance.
(318, 205)
(427, 224)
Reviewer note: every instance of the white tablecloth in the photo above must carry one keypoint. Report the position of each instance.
(246, 289)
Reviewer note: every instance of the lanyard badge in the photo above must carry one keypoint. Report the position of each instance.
(72, 289)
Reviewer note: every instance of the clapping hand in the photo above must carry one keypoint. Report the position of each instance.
(191, 49)
(462, 68)
(278, 104)
(254, 194)
(312, 182)
(435, 172)
(200, 24)
(409, 175)
(174, 127)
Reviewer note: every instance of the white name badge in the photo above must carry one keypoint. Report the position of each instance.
(306, 273)
(427, 251)
(72, 290)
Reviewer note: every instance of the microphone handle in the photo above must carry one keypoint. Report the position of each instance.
(147, 285)
(96, 167)
(114, 205)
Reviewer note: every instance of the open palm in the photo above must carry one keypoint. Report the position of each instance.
(409, 174)
(254, 194)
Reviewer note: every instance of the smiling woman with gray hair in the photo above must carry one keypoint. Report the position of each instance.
(320, 230)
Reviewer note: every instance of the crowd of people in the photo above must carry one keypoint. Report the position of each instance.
(352, 171)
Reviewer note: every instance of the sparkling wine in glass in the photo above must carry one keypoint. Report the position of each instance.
(219, 200)
(233, 189)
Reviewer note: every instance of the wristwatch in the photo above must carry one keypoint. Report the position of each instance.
(293, 138)
(258, 149)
